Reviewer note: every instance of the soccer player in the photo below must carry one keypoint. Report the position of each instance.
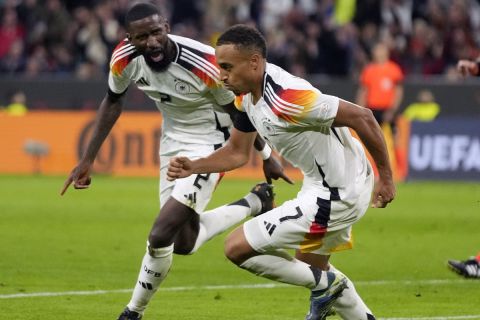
(311, 130)
(182, 77)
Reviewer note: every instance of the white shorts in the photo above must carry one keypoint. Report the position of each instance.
(304, 223)
(194, 191)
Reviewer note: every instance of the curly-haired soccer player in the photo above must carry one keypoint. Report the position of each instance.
(312, 131)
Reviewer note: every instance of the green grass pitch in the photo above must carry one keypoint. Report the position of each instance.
(68, 248)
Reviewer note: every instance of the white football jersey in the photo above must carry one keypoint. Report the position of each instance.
(188, 93)
(296, 119)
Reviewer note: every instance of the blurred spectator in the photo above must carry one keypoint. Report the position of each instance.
(332, 37)
(11, 31)
(14, 60)
(87, 38)
(17, 106)
(57, 22)
(425, 109)
(381, 87)
(38, 62)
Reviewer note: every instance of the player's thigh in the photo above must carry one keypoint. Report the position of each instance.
(297, 224)
(282, 227)
(194, 191)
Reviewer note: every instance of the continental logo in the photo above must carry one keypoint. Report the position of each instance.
(126, 148)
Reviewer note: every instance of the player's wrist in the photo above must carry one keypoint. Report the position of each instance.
(266, 152)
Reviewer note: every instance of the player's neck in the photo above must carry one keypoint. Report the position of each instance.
(257, 90)
(172, 49)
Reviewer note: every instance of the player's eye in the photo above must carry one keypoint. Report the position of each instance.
(226, 67)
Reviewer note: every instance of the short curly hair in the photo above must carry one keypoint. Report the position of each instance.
(244, 36)
(141, 10)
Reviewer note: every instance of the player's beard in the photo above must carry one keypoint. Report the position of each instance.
(168, 56)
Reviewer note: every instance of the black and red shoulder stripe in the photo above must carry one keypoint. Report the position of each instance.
(123, 53)
(202, 64)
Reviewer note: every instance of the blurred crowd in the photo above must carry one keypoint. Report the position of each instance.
(331, 37)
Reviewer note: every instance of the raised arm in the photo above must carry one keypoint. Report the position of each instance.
(231, 156)
(362, 121)
(108, 113)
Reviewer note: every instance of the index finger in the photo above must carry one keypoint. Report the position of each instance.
(67, 183)
(286, 178)
(378, 204)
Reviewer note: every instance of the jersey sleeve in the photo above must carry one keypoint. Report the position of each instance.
(222, 96)
(118, 84)
(118, 79)
(323, 111)
(305, 107)
(243, 123)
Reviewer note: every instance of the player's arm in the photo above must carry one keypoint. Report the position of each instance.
(362, 121)
(108, 113)
(233, 155)
(272, 167)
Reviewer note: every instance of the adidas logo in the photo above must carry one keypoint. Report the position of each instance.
(143, 81)
(146, 285)
(191, 197)
(270, 227)
(191, 200)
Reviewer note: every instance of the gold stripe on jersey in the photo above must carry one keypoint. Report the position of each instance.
(239, 102)
(123, 53)
(313, 240)
(344, 246)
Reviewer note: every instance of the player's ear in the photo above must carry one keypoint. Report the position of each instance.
(129, 37)
(167, 26)
(255, 61)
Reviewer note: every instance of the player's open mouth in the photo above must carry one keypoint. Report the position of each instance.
(156, 56)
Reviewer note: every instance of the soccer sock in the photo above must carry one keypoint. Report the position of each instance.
(155, 266)
(278, 265)
(217, 220)
(349, 305)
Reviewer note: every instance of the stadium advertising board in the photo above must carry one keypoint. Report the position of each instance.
(446, 149)
(51, 143)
